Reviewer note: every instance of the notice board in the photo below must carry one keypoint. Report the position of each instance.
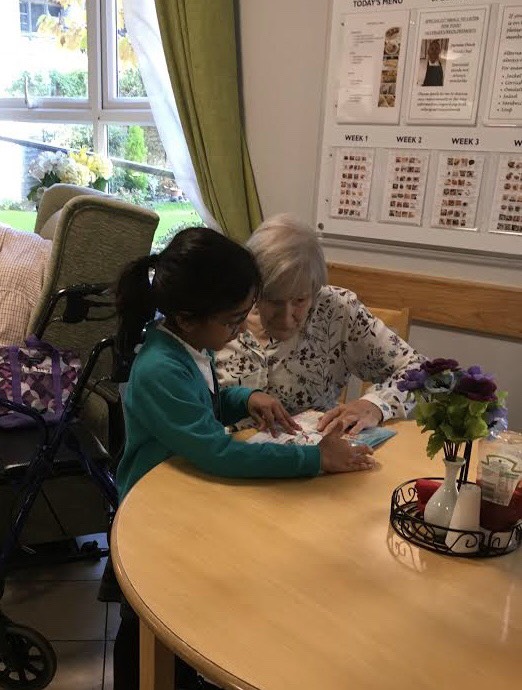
(422, 125)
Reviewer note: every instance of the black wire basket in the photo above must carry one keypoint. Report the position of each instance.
(409, 523)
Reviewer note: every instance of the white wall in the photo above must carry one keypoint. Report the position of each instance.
(283, 51)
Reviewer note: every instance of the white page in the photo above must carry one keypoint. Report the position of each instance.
(506, 98)
(351, 183)
(457, 190)
(445, 80)
(506, 213)
(371, 68)
(406, 174)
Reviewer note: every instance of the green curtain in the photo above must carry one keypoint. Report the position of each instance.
(199, 42)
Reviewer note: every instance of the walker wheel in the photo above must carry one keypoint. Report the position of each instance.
(28, 662)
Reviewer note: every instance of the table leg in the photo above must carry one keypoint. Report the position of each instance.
(156, 662)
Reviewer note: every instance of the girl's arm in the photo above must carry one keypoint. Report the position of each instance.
(174, 409)
(234, 403)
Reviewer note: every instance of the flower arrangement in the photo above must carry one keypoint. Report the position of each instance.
(457, 405)
(82, 168)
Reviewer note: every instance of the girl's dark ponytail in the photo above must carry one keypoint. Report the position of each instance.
(200, 273)
(134, 303)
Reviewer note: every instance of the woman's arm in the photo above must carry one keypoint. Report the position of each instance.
(379, 355)
(372, 352)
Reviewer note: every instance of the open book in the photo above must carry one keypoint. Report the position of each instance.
(309, 436)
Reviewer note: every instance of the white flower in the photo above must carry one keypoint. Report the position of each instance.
(46, 162)
(71, 172)
(82, 168)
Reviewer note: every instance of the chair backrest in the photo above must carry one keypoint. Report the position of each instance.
(95, 236)
(397, 320)
(52, 203)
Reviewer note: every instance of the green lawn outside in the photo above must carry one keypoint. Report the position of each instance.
(171, 214)
(21, 220)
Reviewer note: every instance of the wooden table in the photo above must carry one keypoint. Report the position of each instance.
(301, 584)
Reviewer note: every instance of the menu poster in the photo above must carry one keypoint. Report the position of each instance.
(372, 64)
(448, 55)
(351, 183)
(406, 175)
(506, 214)
(457, 190)
(506, 97)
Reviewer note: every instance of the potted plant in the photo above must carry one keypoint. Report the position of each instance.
(81, 168)
(457, 406)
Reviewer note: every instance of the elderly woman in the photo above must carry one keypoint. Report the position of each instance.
(305, 338)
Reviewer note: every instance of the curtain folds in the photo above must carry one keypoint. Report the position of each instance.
(142, 25)
(199, 46)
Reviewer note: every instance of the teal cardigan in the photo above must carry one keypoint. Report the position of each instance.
(168, 411)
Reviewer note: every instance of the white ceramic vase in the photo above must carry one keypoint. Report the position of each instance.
(466, 517)
(440, 506)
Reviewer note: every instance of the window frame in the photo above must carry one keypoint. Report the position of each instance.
(102, 106)
(30, 4)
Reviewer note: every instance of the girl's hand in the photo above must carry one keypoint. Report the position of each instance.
(340, 455)
(362, 414)
(267, 412)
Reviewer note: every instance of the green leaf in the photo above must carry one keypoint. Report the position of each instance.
(477, 408)
(458, 401)
(476, 428)
(501, 397)
(426, 414)
(435, 443)
(452, 433)
(100, 184)
(32, 192)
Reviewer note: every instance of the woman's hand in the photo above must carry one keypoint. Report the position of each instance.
(363, 414)
(267, 412)
(340, 455)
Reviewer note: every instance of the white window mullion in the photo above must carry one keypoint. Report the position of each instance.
(99, 137)
(110, 60)
(46, 115)
(94, 52)
(108, 53)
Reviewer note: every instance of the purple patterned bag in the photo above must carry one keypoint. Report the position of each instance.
(38, 375)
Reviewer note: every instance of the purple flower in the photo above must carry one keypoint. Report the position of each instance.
(496, 419)
(477, 386)
(496, 413)
(412, 380)
(435, 366)
(499, 425)
(475, 370)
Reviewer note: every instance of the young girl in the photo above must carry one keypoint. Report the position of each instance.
(204, 284)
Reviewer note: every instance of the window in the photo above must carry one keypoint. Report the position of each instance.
(70, 79)
(31, 11)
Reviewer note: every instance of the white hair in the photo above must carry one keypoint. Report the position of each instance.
(289, 257)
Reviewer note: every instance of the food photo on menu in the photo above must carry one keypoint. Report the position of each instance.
(390, 64)
(459, 179)
(351, 184)
(507, 206)
(405, 185)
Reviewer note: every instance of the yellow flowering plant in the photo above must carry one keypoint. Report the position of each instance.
(99, 166)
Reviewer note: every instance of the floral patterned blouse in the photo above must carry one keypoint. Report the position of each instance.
(340, 337)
